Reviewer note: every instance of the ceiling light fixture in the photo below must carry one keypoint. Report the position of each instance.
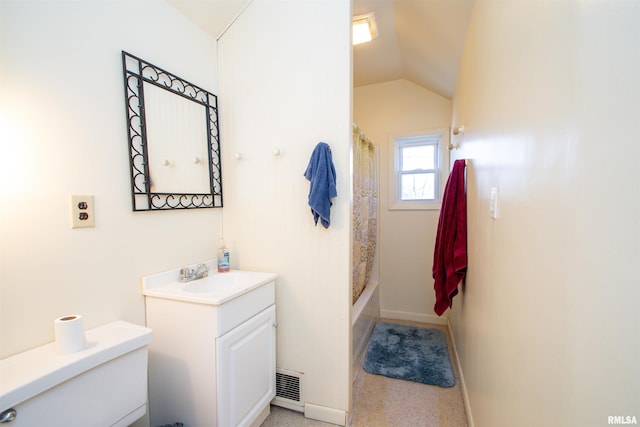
(364, 28)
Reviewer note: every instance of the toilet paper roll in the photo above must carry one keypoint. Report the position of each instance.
(69, 334)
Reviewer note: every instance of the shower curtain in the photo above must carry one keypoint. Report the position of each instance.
(365, 210)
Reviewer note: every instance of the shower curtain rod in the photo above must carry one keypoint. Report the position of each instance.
(363, 135)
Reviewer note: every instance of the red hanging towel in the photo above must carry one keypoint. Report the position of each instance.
(450, 254)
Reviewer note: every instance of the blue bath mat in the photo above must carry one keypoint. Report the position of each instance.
(409, 353)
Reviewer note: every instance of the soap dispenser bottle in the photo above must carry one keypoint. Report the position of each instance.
(223, 258)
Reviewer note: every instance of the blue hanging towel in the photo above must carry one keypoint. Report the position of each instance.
(322, 176)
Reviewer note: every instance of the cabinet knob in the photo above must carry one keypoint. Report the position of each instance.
(275, 324)
(8, 416)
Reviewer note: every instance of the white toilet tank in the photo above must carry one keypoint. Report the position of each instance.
(103, 385)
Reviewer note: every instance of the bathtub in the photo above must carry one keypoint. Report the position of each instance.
(363, 318)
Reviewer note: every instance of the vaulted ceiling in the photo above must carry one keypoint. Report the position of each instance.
(419, 40)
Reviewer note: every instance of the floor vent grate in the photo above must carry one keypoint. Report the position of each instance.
(288, 389)
(288, 386)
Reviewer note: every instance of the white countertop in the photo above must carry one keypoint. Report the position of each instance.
(215, 289)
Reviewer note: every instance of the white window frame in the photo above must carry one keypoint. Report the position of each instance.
(442, 170)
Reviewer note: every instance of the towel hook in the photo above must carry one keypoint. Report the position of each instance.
(456, 131)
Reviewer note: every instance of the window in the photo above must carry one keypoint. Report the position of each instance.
(417, 171)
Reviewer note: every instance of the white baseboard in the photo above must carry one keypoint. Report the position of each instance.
(322, 413)
(413, 317)
(463, 386)
(261, 417)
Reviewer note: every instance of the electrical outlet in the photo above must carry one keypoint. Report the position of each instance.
(82, 212)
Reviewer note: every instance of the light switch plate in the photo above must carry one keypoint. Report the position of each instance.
(493, 206)
(82, 212)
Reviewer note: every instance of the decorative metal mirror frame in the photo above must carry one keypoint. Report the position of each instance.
(136, 72)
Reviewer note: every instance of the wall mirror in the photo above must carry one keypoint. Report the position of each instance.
(174, 139)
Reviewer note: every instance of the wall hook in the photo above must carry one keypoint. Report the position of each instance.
(456, 131)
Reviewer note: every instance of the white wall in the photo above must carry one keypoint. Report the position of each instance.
(407, 238)
(285, 84)
(547, 327)
(63, 132)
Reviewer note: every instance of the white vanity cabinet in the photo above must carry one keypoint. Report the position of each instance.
(212, 360)
(246, 369)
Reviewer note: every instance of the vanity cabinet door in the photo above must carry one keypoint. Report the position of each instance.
(246, 366)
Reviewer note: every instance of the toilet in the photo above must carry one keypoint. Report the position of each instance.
(105, 384)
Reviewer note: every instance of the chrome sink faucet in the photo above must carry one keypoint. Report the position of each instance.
(187, 274)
